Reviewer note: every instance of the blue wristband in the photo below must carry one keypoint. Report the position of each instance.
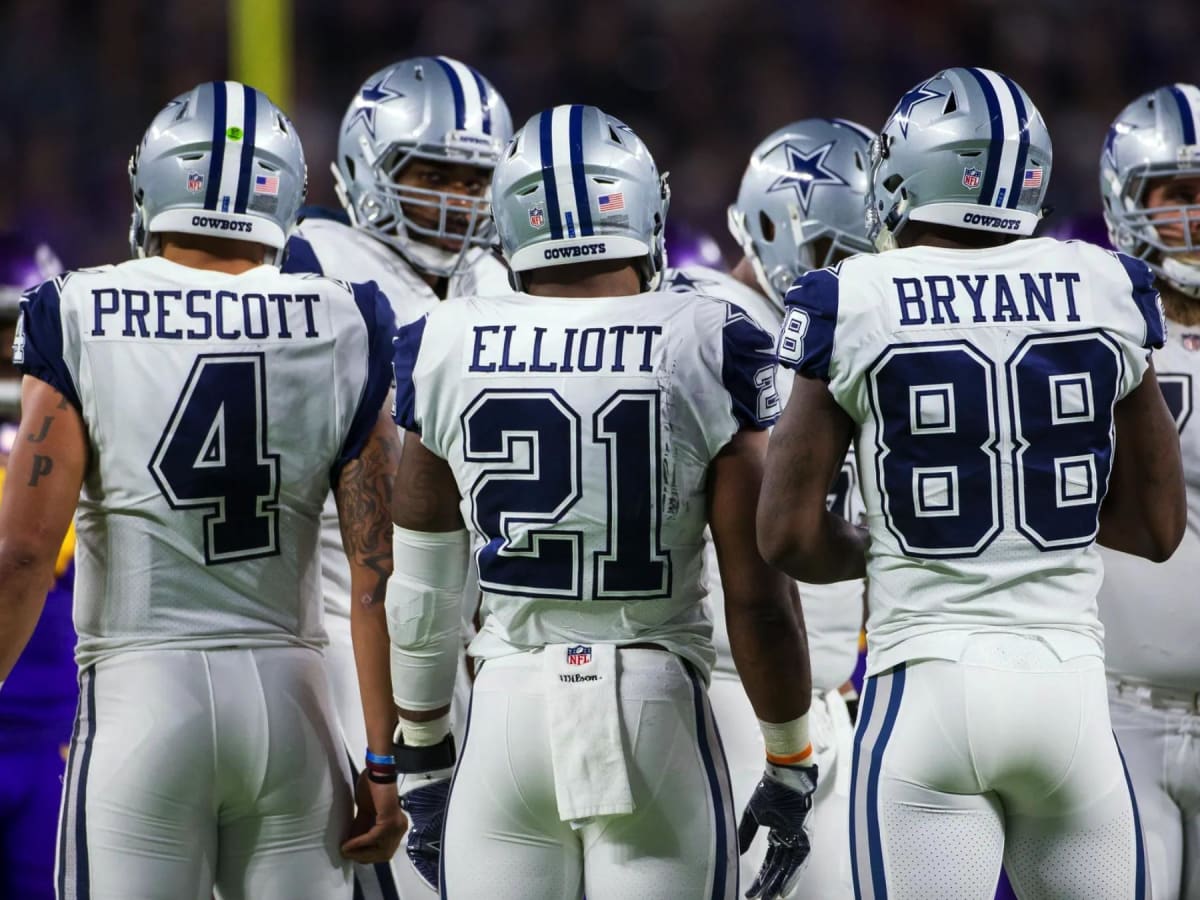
(380, 760)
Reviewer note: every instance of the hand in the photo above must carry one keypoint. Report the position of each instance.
(424, 796)
(379, 824)
(782, 803)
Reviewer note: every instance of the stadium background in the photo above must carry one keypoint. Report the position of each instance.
(700, 80)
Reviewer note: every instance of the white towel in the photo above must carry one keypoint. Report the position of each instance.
(584, 718)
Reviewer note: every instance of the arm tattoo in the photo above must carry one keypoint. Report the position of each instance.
(364, 500)
(42, 466)
(41, 435)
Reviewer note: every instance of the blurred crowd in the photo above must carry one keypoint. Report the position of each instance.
(700, 80)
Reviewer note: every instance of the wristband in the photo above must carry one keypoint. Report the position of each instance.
(787, 743)
(381, 769)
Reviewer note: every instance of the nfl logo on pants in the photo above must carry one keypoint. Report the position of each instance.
(579, 655)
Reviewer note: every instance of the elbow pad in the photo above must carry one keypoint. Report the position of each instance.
(424, 599)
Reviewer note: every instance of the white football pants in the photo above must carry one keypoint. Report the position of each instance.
(200, 770)
(504, 839)
(1007, 753)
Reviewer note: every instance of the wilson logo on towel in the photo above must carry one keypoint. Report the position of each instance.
(579, 656)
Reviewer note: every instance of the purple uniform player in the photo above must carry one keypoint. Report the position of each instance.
(37, 704)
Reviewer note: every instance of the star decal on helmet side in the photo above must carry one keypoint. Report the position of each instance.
(1110, 148)
(806, 171)
(370, 98)
(681, 282)
(919, 94)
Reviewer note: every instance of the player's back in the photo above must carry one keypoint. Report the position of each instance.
(218, 409)
(983, 382)
(580, 432)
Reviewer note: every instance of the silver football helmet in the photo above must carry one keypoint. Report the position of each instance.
(220, 160)
(576, 185)
(800, 205)
(433, 108)
(1155, 136)
(966, 148)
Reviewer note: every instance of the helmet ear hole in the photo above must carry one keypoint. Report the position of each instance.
(766, 226)
(893, 182)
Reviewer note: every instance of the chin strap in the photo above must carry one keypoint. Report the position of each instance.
(1183, 276)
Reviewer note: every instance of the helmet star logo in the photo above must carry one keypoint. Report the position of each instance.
(919, 94)
(807, 171)
(370, 98)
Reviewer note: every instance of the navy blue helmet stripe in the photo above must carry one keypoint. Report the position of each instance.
(1018, 179)
(242, 194)
(460, 102)
(483, 101)
(546, 137)
(217, 156)
(1185, 114)
(996, 147)
(575, 138)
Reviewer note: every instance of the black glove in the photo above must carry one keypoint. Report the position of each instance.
(782, 803)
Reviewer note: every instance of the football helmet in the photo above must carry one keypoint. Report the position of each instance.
(576, 185)
(221, 160)
(1155, 136)
(965, 148)
(433, 108)
(800, 205)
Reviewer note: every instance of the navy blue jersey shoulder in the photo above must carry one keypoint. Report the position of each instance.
(408, 345)
(299, 258)
(322, 212)
(377, 315)
(40, 350)
(1145, 295)
(748, 370)
(815, 297)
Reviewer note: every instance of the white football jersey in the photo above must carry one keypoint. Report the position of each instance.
(212, 451)
(832, 612)
(1150, 614)
(580, 432)
(983, 384)
(329, 247)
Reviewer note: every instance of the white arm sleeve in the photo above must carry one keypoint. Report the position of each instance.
(424, 597)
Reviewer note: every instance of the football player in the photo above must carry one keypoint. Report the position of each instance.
(982, 375)
(37, 705)
(800, 206)
(1150, 183)
(414, 165)
(177, 391)
(586, 429)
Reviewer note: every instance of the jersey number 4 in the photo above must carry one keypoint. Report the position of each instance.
(532, 477)
(213, 456)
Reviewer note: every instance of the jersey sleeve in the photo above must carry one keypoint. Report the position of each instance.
(300, 258)
(806, 336)
(38, 345)
(1145, 297)
(748, 371)
(377, 316)
(404, 361)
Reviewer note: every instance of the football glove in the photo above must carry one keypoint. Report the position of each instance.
(781, 803)
(424, 793)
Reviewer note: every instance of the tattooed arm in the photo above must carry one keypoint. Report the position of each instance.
(364, 501)
(41, 488)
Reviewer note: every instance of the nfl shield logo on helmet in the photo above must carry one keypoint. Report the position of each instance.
(579, 655)
(1191, 342)
(537, 218)
(971, 177)
(195, 182)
